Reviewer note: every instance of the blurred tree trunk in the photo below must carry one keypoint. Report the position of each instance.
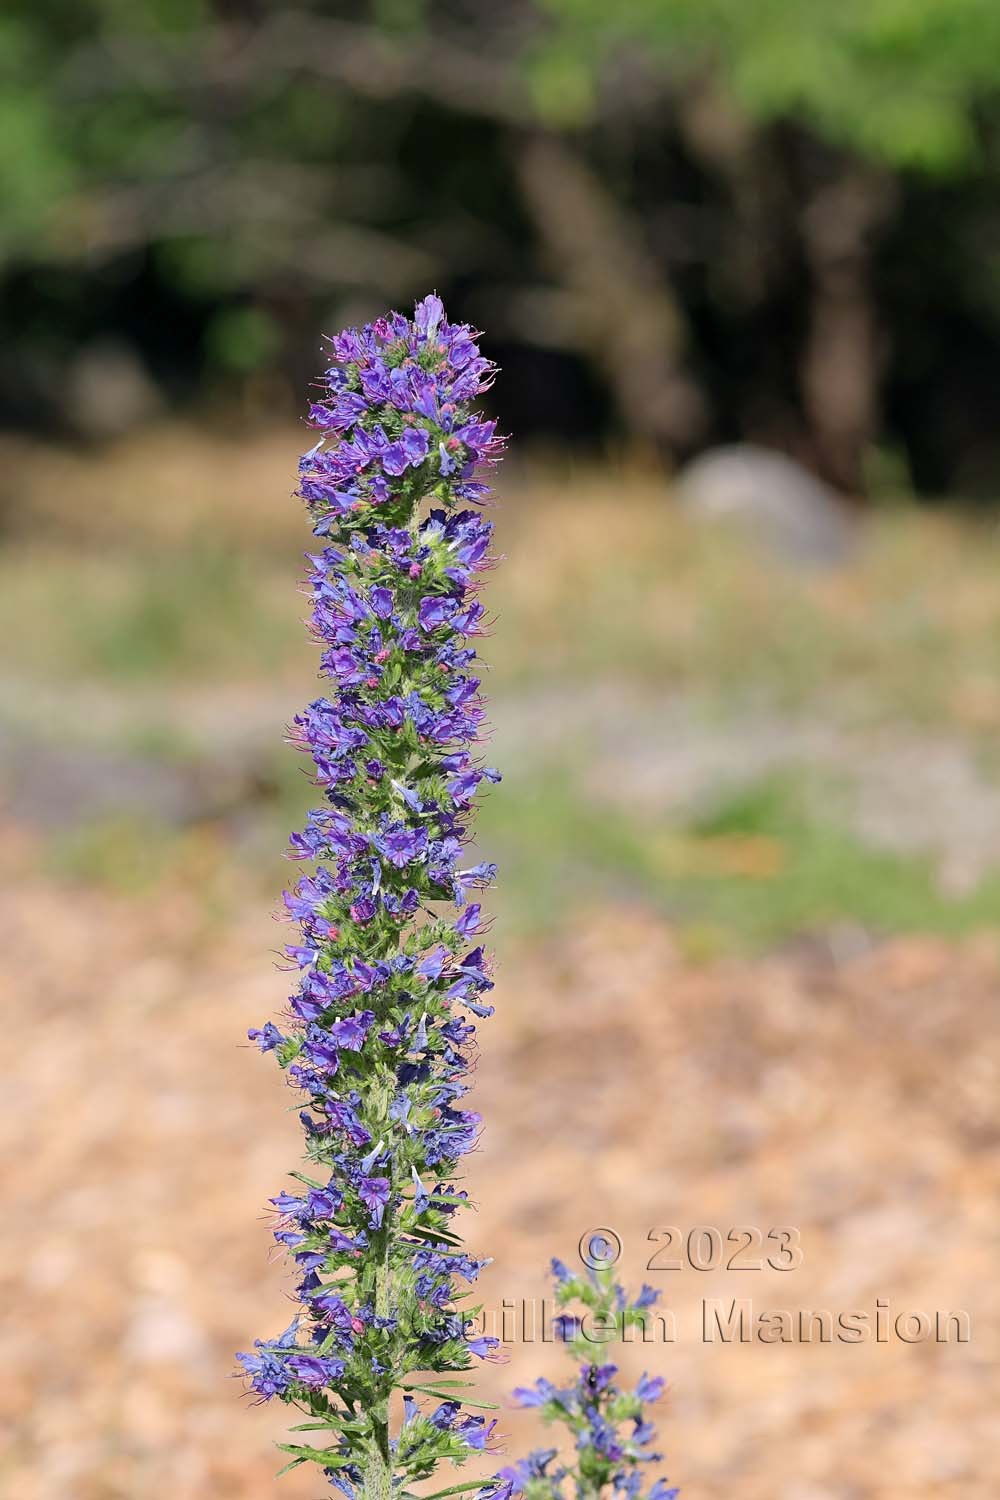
(844, 354)
(737, 156)
(628, 320)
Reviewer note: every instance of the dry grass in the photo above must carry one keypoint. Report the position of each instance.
(620, 1087)
(606, 580)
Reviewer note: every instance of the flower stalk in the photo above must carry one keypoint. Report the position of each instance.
(380, 1030)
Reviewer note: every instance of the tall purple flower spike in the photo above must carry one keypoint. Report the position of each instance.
(378, 1036)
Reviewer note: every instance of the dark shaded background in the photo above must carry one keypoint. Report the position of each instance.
(681, 223)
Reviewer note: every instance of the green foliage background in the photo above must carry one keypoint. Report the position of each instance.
(204, 184)
(896, 80)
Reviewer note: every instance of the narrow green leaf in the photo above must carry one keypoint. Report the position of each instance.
(429, 1390)
(326, 1456)
(430, 1233)
(309, 1181)
(341, 1424)
(458, 1489)
(441, 1385)
(285, 1468)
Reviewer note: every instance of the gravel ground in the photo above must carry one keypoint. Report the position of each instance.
(854, 1101)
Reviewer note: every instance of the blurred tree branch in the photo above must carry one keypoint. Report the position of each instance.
(278, 209)
(628, 319)
(235, 57)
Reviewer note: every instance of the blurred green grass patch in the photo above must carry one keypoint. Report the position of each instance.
(761, 866)
(124, 853)
(148, 608)
(197, 612)
(193, 577)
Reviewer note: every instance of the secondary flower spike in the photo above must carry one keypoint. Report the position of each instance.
(611, 1436)
(378, 1035)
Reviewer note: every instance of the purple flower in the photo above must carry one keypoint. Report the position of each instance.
(392, 747)
(468, 922)
(267, 1036)
(374, 1194)
(434, 611)
(537, 1395)
(309, 1369)
(428, 315)
(267, 1369)
(352, 1030)
(402, 844)
(533, 1467)
(268, 1373)
(421, 1197)
(334, 1310)
(415, 444)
